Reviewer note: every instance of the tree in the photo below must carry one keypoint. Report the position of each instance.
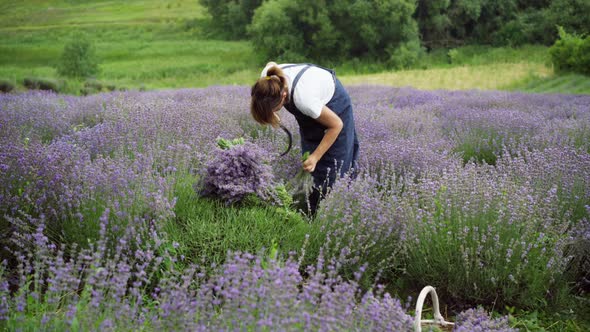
(274, 33)
(335, 30)
(231, 17)
(79, 58)
(572, 15)
(434, 22)
(571, 53)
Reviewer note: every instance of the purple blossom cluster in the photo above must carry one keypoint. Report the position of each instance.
(363, 222)
(579, 250)
(108, 289)
(236, 172)
(468, 230)
(417, 212)
(471, 228)
(264, 293)
(445, 123)
(478, 320)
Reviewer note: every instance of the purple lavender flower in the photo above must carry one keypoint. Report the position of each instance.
(478, 320)
(237, 172)
(112, 160)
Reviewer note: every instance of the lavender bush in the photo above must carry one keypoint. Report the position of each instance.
(579, 249)
(493, 231)
(362, 224)
(112, 289)
(484, 195)
(478, 320)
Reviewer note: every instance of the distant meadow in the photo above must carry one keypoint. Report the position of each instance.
(156, 45)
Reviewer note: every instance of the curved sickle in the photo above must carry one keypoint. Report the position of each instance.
(290, 140)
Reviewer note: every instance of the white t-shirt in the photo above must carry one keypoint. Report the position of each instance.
(314, 89)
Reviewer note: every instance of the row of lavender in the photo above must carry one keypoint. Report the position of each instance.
(479, 233)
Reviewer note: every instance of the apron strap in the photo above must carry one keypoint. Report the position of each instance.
(296, 80)
(307, 65)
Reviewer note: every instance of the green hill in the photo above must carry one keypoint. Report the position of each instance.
(156, 44)
(164, 44)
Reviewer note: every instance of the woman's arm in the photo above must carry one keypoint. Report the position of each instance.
(334, 125)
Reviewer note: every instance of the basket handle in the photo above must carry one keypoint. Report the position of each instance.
(438, 318)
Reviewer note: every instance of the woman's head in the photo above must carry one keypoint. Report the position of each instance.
(268, 95)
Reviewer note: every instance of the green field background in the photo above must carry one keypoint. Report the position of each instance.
(165, 45)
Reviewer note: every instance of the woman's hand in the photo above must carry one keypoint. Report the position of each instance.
(309, 163)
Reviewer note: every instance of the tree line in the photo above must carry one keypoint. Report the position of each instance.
(394, 32)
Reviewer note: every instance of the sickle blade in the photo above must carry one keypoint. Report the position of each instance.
(290, 140)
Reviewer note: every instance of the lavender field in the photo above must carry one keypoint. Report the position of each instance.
(483, 195)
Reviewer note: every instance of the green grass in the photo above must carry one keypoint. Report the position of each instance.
(567, 83)
(132, 56)
(463, 77)
(41, 14)
(523, 76)
(154, 44)
(207, 229)
(526, 68)
(165, 44)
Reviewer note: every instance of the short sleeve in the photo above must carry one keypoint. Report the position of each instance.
(311, 107)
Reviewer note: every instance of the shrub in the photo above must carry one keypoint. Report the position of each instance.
(191, 24)
(86, 91)
(405, 55)
(35, 83)
(323, 31)
(479, 320)
(286, 41)
(569, 14)
(363, 226)
(483, 222)
(78, 58)
(93, 84)
(132, 285)
(579, 249)
(528, 27)
(571, 53)
(6, 86)
(229, 17)
(378, 25)
(30, 83)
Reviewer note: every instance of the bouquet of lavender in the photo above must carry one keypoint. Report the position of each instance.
(238, 169)
(301, 185)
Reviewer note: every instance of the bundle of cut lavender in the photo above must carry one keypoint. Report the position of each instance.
(301, 186)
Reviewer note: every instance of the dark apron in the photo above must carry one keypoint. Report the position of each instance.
(343, 154)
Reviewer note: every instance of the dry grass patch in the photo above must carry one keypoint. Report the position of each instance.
(485, 77)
